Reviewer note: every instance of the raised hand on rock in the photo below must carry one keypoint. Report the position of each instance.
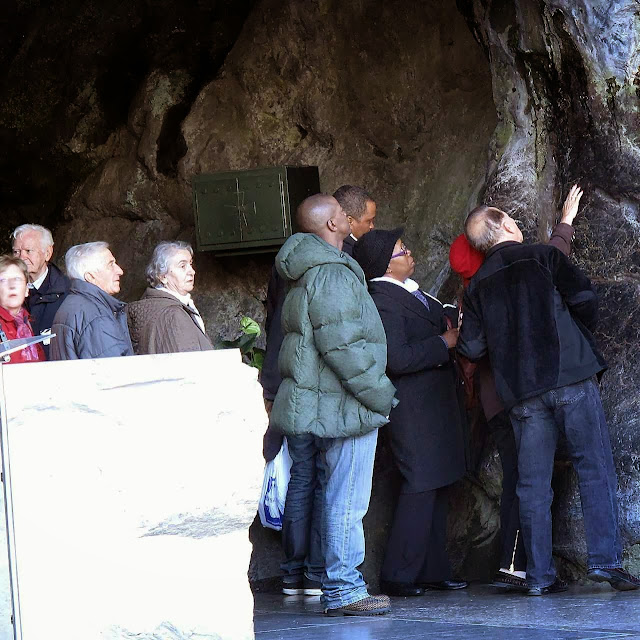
(570, 206)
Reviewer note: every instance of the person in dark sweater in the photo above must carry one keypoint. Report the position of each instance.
(465, 261)
(300, 537)
(48, 286)
(531, 310)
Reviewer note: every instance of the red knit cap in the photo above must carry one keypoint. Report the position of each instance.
(464, 259)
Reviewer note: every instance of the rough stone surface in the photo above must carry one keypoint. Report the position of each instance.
(133, 486)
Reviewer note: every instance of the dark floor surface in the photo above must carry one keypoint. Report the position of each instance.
(589, 612)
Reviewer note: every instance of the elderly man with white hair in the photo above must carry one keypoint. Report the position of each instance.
(91, 323)
(48, 286)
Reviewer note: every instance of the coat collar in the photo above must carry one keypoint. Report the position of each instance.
(88, 290)
(502, 245)
(401, 296)
(5, 314)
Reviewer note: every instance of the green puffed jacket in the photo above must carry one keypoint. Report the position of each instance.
(334, 353)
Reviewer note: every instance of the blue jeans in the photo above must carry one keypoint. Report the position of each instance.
(345, 470)
(302, 518)
(575, 410)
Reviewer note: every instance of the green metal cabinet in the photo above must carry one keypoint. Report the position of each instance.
(249, 211)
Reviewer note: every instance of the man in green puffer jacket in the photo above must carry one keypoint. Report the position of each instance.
(334, 394)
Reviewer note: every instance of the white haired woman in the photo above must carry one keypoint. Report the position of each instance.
(165, 319)
(14, 319)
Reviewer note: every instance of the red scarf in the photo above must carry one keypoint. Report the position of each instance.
(16, 327)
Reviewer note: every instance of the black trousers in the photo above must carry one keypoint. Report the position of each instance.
(512, 545)
(416, 551)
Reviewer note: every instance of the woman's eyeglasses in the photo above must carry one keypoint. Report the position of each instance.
(12, 282)
(403, 252)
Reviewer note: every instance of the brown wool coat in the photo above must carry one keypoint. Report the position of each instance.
(160, 323)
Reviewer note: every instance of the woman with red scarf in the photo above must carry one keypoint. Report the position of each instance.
(14, 319)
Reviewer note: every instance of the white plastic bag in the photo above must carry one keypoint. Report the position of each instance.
(274, 489)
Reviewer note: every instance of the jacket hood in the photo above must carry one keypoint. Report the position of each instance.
(304, 251)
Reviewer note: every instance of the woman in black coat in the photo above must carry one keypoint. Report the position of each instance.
(426, 428)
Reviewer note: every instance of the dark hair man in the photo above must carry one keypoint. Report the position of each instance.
(334, 393)
(91, 323)
(48, 286)
(360, 208)
(531, 310)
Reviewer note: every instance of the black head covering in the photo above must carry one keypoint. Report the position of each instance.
(373, 251)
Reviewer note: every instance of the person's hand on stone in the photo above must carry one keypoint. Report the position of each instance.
(570, 206)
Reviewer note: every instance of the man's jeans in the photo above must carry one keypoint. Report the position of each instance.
(345, 471)
(575, 410)
(303, 511)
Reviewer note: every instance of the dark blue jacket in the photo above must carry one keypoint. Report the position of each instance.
(90, 324)
(531, 310)
(43, 303)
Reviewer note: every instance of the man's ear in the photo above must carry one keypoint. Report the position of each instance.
(88, 277)
(331, 224)
(509, 225)
(351, 220)
(48, 253)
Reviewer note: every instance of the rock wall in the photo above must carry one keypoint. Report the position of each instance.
(109, 109)
(565, 79)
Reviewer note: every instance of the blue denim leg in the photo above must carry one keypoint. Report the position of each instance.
(345, 473)
(303, 511)
(579, 409)
(536, 435)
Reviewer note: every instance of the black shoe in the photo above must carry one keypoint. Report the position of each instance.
(556, 586)
(509, 582)
(300, 585)
(401, 589)
(446, 585)
(618, 578)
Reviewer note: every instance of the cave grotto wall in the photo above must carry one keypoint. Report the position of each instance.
(566, 84)
(109, 108)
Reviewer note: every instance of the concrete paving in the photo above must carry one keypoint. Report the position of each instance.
(585, 612)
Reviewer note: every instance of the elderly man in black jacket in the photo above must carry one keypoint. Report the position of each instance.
(48, 286)
(531, 310)
(91, 323)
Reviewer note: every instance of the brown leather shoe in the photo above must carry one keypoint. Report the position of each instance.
(618, 578)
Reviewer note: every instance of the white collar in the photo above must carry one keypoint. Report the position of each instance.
(354, 238)
(36, 284)
(409, 284)
(186, 299)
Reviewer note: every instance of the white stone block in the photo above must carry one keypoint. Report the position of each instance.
(134, 482)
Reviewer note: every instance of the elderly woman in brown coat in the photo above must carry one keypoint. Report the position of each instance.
(165, 319)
